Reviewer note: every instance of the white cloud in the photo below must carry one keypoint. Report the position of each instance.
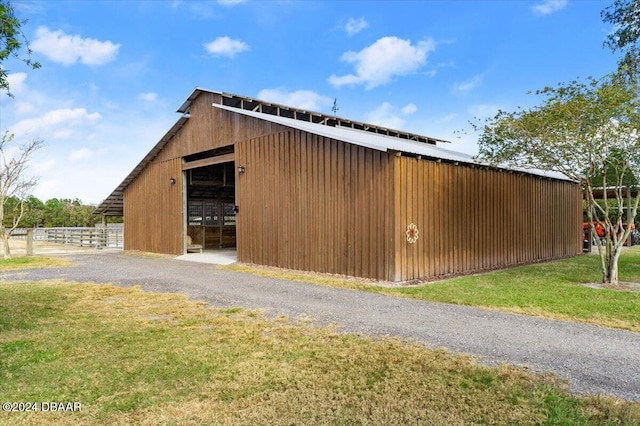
(467, 86)
(68, 49)
(26, 101)
(113, 144)
(60, 133)
(378, 63)
(80, 155)
(547, 7)
(303, 99)
(17, 82)
(465, 143)
(230, 3)
(148, 97)
(24, 107)
(354, 26)
(409, 109)
(386, 115)
(46, 187)
(55, 124)
(225, 46)
(40, 167)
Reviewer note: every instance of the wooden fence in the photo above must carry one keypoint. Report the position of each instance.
(98, 237)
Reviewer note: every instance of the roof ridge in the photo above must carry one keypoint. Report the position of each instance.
(256, 105)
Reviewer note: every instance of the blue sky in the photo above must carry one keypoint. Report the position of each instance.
(115, 72)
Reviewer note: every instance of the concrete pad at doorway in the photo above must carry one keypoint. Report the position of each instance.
(215, 257)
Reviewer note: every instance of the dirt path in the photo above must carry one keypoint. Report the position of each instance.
(593, 359)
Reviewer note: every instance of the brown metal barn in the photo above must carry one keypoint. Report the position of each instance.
(307, 191)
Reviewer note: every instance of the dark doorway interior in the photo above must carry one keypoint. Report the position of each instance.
(211, 220)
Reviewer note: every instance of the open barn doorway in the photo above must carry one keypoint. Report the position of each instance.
(211, 207)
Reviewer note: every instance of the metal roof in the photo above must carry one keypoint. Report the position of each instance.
(384, 143)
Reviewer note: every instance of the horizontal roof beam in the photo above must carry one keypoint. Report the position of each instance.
(218, 159)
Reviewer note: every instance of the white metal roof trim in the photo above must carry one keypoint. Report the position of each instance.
(380, 142)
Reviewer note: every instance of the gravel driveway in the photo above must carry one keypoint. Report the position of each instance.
(593, 359)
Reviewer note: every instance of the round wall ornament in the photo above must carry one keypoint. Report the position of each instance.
(412, 233)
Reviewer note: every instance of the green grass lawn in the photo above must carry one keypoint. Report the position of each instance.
(130, 357)
(551, 289)
(25, 262)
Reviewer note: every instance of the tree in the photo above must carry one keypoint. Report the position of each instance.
(14, 185)
(624, 15)
(587, 131)
(53, 214)
(65, 212)
(34, 216)
(13, 43)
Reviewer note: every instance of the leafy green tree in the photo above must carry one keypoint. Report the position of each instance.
(587, 131)
(34, 215)
(53, 213)
(10, 209)
(13, 43)
(65, 212)
(78, 214)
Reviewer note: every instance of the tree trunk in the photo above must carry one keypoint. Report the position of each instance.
(604, 248)
(611, 274)
(5, 242)
(610, 264)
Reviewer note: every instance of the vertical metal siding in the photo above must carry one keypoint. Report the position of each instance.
(153, 210)
(312, 203)
(473, 219)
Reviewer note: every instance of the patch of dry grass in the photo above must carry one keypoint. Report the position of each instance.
(147, 255)
(132, 357)
(329, 280)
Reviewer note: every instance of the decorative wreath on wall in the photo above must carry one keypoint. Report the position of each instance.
(412, 233)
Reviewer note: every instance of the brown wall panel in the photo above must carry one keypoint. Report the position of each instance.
(153, 210)
(311, 203)
(473, 219)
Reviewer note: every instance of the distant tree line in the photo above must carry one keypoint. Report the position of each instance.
(55, 212)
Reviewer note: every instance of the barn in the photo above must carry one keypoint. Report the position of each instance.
(313, 192)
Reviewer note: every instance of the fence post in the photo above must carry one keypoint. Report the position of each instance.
(29, 242)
